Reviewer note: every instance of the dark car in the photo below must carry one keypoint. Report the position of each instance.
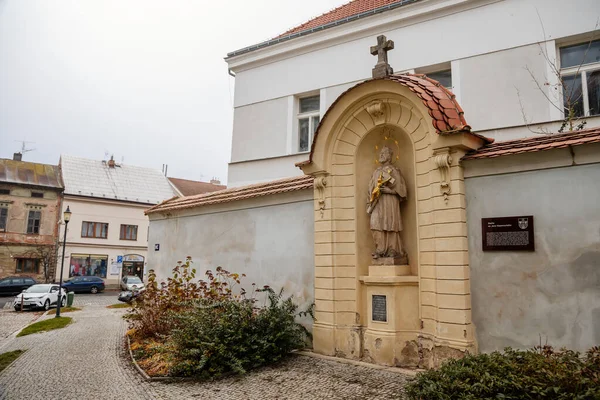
(15, 284)
(91, 284)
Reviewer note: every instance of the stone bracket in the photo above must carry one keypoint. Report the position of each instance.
(443, 160)
(320, 183)
(377, 110)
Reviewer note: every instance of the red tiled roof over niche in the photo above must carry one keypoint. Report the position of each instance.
(534, 144)
(235, 194)
(353, 8)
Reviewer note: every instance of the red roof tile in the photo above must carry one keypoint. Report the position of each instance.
(447, 115)
(534, 144)
(235, 194)
(190, 188)
(344, 11)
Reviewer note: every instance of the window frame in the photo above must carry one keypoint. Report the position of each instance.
(93, 224)
(24, 270)
(310, 115)
(582, 70)
(37, 195)
(123, 232)
(31, 222)
(5, 211)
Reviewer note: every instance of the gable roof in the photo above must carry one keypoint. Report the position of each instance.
(352, 11)
(94, 178)
(28, 173)
(534, 144)
(235, 194)
(190, 188)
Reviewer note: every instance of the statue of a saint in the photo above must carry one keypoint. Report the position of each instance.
(387, 189)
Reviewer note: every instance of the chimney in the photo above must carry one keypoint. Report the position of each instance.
(111, 162)
(215, 181)
(17, 157)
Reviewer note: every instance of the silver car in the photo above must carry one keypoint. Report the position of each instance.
(40, 296)
(131, 282)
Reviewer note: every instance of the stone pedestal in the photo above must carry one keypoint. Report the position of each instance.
(392, 298)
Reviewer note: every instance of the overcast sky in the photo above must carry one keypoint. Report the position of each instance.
(144, 80)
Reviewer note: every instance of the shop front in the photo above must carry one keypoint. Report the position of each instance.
(133, 265)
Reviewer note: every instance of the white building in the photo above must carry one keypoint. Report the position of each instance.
(108, 231)
(497, 57)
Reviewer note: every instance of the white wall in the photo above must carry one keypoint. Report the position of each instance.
(269, 169)
(489, 44)
(270, 239)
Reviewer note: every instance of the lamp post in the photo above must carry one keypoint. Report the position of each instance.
(66, 218)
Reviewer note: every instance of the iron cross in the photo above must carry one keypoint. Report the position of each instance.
(383, 46)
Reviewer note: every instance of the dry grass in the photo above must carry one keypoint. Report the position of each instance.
(119, 305)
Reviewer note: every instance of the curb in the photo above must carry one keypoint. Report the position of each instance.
(13, 361)
(396, 370)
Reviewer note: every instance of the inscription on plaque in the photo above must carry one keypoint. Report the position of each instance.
(379, 308)
(508, 233)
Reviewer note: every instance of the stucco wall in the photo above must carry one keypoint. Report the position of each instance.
(269, 242)
(553, 292)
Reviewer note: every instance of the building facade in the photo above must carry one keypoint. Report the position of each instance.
(108, 232)
(30, 203)
(466, 45)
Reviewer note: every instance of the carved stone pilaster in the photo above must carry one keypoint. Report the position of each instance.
(320, 183)
(443, 160)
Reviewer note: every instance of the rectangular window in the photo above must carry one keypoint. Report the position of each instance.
(98, 230)
(3, 218)
(4, 191)
(39, 195)
(308, 120)
(129, 232)
(88, 265)
(443, 77)
(33, 222)
(28, 265)
(580, 74)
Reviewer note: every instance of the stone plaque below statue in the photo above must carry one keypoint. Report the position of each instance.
(379, 308)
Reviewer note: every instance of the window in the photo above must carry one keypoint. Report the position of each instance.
(94, 230)
(4, 191)
(580, 73)
(129, 232)
(3, 218)
(443, 77)
(33, 222)
(308, 120)
(88, 265)
(30, 265)
(37, 194)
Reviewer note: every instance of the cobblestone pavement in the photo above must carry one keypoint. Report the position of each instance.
(11, 321)
(91, 357)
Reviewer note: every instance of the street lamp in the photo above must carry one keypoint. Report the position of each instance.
(66, 218)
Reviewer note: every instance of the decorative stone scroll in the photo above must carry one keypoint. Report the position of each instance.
(377, 111)
(443, 160)
(320, 183)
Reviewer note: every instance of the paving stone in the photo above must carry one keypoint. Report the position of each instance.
(91, 357)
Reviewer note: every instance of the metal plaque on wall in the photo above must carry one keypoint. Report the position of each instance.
(508, 233)
(379, 308)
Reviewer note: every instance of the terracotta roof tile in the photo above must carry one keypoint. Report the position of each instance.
(235, 194)
(345, 11)
(534, 144)
(190, 188)
(447, 115)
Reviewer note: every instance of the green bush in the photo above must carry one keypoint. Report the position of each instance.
(540, 373)
(232, 336)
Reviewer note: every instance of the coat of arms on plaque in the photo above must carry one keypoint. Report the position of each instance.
(523, 223)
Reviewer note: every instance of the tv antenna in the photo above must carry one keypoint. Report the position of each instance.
(24, 148)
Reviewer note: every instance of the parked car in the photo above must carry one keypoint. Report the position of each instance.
(127, 296)
(40, 296)
(131, 282)
(15, 284)
(78, 284)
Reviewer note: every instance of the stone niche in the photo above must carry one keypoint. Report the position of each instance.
(413, 313)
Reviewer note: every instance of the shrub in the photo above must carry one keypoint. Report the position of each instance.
(231, 336)
(149, 317)
(540, 373)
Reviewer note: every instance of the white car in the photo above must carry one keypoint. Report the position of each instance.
(40, 296)
(131, 282)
